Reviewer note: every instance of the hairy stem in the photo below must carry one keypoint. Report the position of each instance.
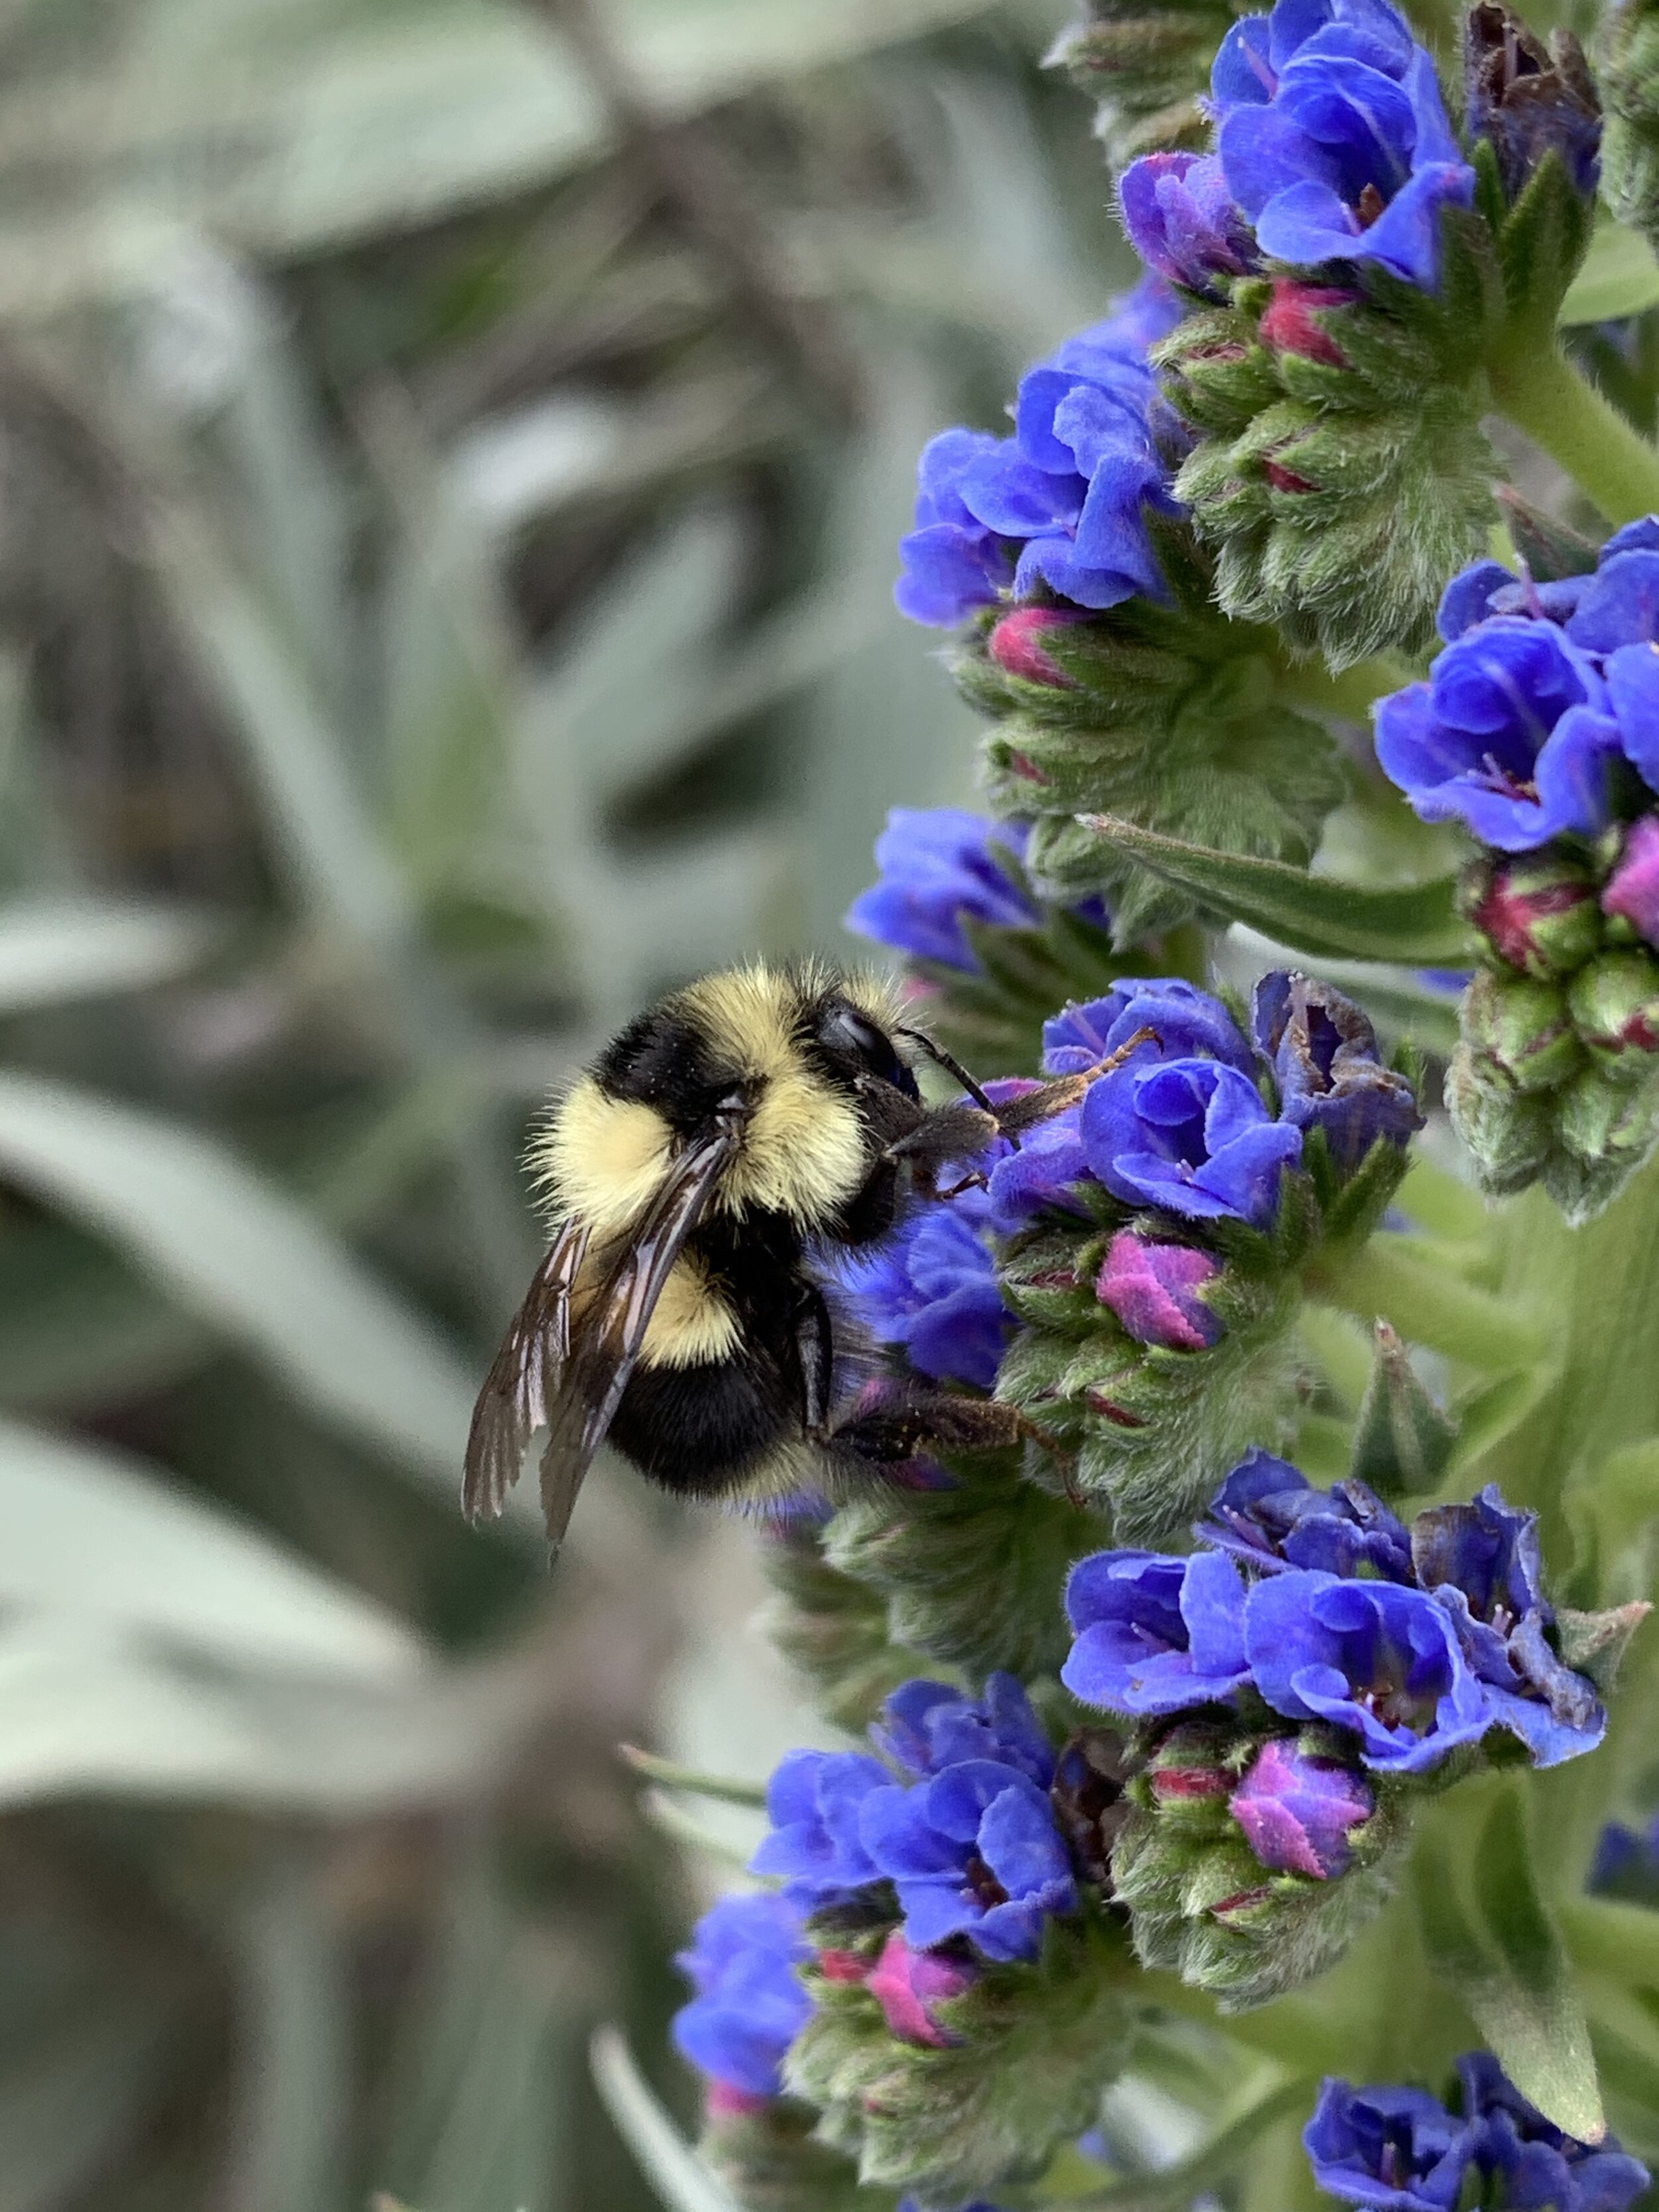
(1393, 1279)
(1543, 394)
(1350, 694)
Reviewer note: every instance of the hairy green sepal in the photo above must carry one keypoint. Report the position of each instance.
(1339, 494)
(772, 2161)
(834, 1629)
(1156, 1430)
(1171, 716)
(1035, 2046)
(1200, 1903)
(972, 1575)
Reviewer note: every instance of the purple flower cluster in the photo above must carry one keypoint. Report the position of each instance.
(1184, 1126)
(1399, 2149)
(955, 1815)
(749, 2004)
(1411, 1641)
(1332, 144)
(1544, 702)
(941, 867)
(1058, 507)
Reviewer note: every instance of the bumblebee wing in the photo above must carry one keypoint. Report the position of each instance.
(526, 1377)
(608, 1348)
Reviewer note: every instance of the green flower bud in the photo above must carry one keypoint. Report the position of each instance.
(1523, 1029)
(1032, 2047)
(1147, 67)
(1537, 911)
(1509, 1133)
(918, 1557)
(833, 1629)
(1155, 1430)
(1615, 1008)
(771, 2161)
(1627, 72)
(1340, 482)
(1608, 1126)
(1168, 716)
(1220, 1895)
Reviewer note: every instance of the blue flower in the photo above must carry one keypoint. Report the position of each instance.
(1541, 689)
(1371, 1656)
(1333, 137)
(1191, 1136)
(932, 1287)
(1396, 2148)
(1041, 1176)
(940, 866)
(951, 563)
(1533, 2163)
(1182, 220)
(1626, 1863)
(1267, 1515)
(1324, 1057)
(1530, 101)
(1154, 1634)
(926, 1727)
(1064, 499)
(750, 2005)
(1510, 734)
(1186, 1023)
(1480, 1561)
(812, 1802)
(974, 1852)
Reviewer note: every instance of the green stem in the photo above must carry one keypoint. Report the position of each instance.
(1350, 694)
(1390, 1279)
(1543, 394)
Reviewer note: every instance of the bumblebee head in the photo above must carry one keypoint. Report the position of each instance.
(799, 1045)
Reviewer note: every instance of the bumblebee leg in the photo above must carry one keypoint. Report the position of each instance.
(815, 1349)
(895, 1420)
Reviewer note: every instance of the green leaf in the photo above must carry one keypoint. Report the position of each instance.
(234, 1251)
(1619, 277)
(51, 951)
(726, 1787)
(94, 1537)
(665, 2159)
(1533, 2018)
(1172, 2188)
(1316, 915)
(1507, 1965)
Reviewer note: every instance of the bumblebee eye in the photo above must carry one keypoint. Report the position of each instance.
(845, 1032)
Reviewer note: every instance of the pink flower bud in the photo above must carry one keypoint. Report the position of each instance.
(1297, 1812)
(1537, 911)
(1633, 889)
(722, 2102)
(1152, 1289)
(1288, 325)
(1015, 645)
(905, 1983)
(843, 1967)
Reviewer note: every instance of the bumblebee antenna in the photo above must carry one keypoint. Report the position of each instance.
(951, 1067)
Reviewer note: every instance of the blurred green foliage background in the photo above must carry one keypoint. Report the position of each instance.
(450, 460)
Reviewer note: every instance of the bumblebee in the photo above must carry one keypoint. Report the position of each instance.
(724, 1136)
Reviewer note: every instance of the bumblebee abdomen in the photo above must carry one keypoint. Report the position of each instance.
(706, 1429)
